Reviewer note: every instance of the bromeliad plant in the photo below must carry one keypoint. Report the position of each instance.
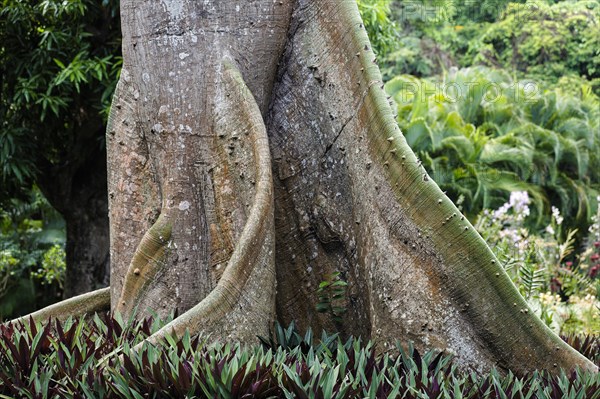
(69, 360)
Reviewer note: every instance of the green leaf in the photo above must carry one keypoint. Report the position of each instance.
(59, 63)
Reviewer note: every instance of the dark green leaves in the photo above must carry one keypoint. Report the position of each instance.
(59, 62)
(64, 360)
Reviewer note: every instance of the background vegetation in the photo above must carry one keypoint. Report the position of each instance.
(32, 256)
(59, 63)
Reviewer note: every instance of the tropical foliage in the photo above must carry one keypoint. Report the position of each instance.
(94, 358)
(482, 135)
(553, 42)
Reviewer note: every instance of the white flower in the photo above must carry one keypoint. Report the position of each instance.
(498, 213)
(519, 198)
(519, 201)
(556, 215)
(550, 230)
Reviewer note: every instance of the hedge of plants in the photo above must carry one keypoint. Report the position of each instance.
(93, 359)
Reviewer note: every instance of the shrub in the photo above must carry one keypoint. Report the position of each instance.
(32, 256)
(544, 41)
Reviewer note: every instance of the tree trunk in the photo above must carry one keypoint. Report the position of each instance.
(87, 240)
(78, 191)
(252, 154)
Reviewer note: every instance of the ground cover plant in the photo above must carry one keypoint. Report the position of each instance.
(93, 358)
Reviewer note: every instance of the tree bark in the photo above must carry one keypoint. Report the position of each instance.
(77, 306)
(182, 159)
(200, 224)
